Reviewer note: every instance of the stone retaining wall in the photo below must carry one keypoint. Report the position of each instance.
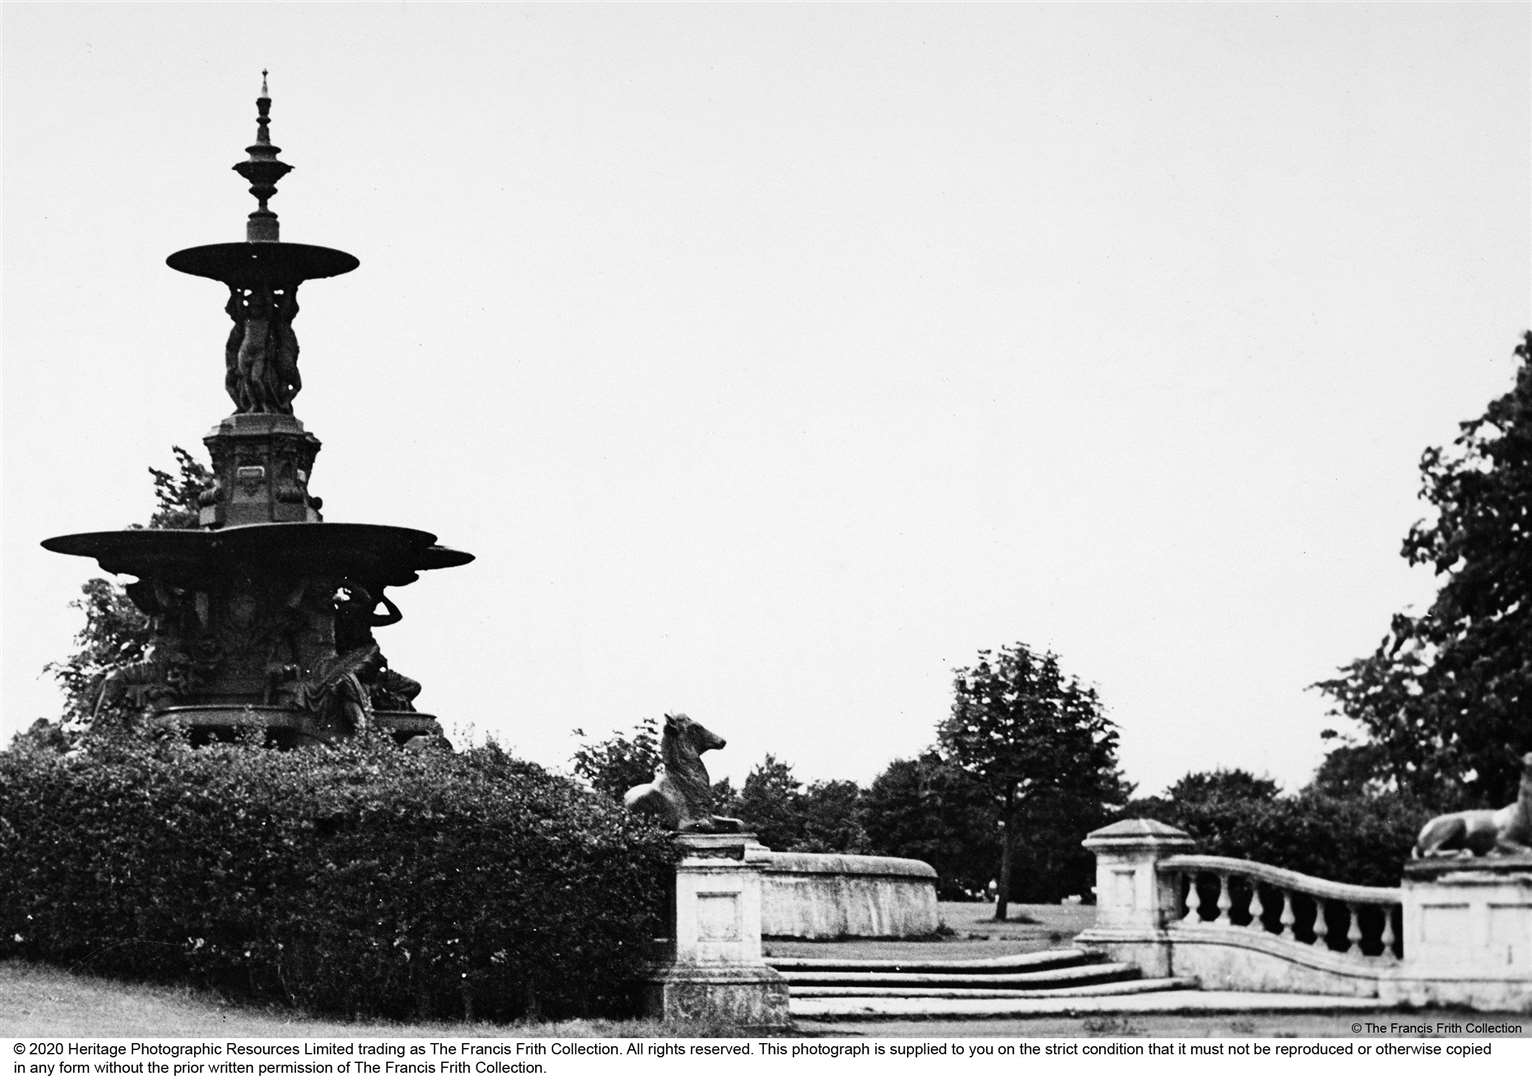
(816, 896)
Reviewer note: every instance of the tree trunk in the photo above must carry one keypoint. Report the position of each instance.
(1007, 846)
(1003, 882)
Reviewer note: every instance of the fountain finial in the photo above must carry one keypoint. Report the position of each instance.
(263, 170)
(262, 259)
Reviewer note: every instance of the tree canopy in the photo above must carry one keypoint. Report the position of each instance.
(619, 762)
(1039, 742)
(1446, 698)
(1327, 829)
(115, 631)
(929, 809)
(1222, 784)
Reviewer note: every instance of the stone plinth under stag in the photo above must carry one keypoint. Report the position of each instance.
(713, 967)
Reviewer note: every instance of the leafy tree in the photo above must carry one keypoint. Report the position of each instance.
(1446, 696)
(1350, 771)
(769, 804)
(929, 809)
(619, 762)
(1200, 797)
(831, 813)
(1052, 863)
(115, 631)
(1359, 838)
(175, 494)
(1029, 734)
(724, 796)
(1222, 784)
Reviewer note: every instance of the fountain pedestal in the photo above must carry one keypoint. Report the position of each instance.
(261, 468)
(262, 617)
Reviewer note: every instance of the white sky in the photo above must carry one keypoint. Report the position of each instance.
(774, 360)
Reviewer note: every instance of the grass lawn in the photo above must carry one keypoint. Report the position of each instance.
(39, 1000)
(43, 1000)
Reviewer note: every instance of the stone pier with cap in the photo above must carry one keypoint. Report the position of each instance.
(711, 966)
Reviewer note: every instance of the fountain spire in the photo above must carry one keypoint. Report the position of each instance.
(263, 170)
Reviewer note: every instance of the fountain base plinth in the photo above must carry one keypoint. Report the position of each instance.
(282, 726)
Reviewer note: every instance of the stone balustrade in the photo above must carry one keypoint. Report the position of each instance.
(1455, 932)
(1358, 921)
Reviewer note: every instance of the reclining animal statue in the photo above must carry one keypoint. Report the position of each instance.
(1507, 831)
(681, 796)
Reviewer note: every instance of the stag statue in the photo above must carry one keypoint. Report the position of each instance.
(681, 795)
(1507, 831)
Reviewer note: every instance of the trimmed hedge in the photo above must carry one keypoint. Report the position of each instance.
(348, 880)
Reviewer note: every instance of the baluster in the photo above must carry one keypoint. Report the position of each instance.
(1224, 902)
(1354, 930)
(1193, 901)
(1387, 936)
(1288, 919)
(1256, 910)
(1321, 928)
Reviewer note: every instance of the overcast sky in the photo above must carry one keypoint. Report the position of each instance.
(773, 360)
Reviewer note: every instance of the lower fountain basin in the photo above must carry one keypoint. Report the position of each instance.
(281, 726)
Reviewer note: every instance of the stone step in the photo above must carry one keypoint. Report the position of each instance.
(1074, 975)
(1180, 1002)
(1111, 989)
(991, 964)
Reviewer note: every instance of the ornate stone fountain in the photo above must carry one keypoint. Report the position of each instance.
(263, 616)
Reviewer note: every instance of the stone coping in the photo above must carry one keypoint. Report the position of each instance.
(1178, 1002)
(1290, 879)
(1138, 828)
(1488, 866)
(1138, 834)
(814, 862)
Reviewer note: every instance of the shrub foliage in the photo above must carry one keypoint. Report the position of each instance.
(1357, 839)
(345, 880)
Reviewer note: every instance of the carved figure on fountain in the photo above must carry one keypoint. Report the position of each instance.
(176, 613)
(253, 621)
(286, 379)
(335, 695)
(165, 678)
(233, 385)
(356, 616)
(255, 350)
(261, 354)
